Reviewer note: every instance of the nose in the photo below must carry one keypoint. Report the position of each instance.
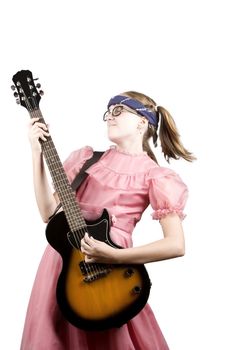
(110, 117)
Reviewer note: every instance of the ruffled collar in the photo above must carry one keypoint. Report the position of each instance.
(123, 163)
(117, 150)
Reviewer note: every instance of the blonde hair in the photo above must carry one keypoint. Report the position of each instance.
(169, 136)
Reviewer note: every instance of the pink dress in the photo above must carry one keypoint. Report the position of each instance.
(125, 185)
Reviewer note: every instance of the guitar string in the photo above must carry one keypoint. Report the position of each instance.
(91, 267)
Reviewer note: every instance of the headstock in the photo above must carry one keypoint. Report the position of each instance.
(27, 93)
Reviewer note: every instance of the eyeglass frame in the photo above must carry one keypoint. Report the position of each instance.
(123, 107)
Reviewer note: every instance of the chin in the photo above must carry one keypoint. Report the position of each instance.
(113, 137)
(113, 140)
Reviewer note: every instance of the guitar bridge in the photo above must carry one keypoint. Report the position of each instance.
(96, 275)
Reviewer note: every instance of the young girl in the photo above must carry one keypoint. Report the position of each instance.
(125, 181)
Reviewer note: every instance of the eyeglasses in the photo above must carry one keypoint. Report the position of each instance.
(116, 111)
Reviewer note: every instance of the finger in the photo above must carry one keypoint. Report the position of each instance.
(83, 244)
(86, 252)
(38, 131)
(39, 125)
(84, 240)
(89, 240)
(86, 237)
(33, 121)
(43, 138)
(89, 259)
(41, 134)
(85, 248)
(37, 121)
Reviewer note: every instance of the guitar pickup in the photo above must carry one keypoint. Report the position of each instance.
(83, 268)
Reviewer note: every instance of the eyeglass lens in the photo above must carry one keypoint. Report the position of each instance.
(116, 111)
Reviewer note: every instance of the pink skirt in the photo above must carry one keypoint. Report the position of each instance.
(46, 329)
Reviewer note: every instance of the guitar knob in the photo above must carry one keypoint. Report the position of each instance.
(41, 92)
(38, 85)
(129, 272)
(16, 94)
(17, 101)
(13, 87)
(136, 290)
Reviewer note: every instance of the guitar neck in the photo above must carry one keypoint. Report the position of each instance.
(60, 181)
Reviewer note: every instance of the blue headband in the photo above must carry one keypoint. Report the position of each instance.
(152, 117)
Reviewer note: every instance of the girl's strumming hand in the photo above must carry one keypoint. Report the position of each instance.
(97, 251)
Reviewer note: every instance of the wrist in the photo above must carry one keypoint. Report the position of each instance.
(36, 151)
(122, 256)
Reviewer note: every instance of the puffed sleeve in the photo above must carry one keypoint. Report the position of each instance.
(167, 193)
(75, 161)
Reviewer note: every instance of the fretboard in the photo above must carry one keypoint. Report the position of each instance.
(60, 181)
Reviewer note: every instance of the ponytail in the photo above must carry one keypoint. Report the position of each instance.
(150, 132)
(169, 136)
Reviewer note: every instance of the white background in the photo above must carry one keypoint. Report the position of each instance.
(180, 54)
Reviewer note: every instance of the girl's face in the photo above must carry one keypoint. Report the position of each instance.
(123, 123)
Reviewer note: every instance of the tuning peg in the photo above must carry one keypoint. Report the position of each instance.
(16, 94)
(38, 85)
(17, 101)
(41, 92)
(13, 87)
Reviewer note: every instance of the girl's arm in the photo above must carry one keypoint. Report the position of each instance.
(171, 246)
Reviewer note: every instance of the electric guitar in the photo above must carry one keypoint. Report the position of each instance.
(91, 296)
